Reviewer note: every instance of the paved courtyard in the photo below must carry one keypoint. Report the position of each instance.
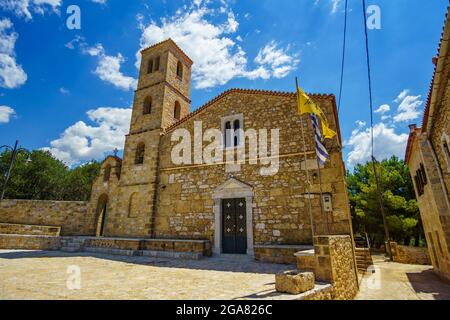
(44, 275)
(396, 281)
(47, 274)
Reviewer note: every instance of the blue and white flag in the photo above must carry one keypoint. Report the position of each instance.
(322, 153)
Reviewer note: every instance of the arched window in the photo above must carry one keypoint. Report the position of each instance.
(147, 106)
(232, 131)
(177, 111)
(237, 126)
(228, 134)
(157, 60)
(107, 173)
(179, 70)
(140, 152)
(150, 66)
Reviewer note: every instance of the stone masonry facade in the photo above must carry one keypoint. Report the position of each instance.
(146, 195)
(428, 157)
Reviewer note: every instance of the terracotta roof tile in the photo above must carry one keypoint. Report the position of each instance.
(245, 91)
(427, 107)
(173, 43)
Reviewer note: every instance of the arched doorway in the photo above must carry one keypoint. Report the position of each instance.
(102, 207)
(233, 218)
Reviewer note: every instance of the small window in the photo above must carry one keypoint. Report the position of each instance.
(150, 66)
(423, 174)
(237, 126)
(107, 173)
(157, 60)
(419, 185)
(177, 111)
(147, 106)
(232, 127)
(228, 134)
(447, 153)
(140, 153)
(179, 70)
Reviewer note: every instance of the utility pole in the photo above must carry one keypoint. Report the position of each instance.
(381, 203)
(8, 173)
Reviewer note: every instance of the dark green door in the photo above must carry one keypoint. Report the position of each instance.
(234, 226)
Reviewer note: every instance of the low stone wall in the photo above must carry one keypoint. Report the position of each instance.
(306, 260)
(410, 255)
(9, 228)
(29, 242)
(202, 247)
(335, 263)
(284, 254)
(72, 216)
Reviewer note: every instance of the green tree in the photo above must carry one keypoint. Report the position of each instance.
(402, 212)
(37, 175)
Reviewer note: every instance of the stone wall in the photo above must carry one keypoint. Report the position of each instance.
(29, 242)
(280, 207)
(9, 228)
(428, 147)
(72, 216)
(284, 254)
(335, 262)
(433, 203)
(410, 255)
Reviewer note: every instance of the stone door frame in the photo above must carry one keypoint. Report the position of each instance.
(233, 189)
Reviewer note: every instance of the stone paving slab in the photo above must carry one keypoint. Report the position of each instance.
(396, 281)
(43, 275)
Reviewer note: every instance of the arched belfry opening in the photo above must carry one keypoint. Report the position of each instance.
(177, 111)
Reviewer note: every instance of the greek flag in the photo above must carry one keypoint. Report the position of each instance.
(322, 153)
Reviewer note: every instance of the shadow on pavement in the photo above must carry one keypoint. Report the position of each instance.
(232, 263)
(428, 282)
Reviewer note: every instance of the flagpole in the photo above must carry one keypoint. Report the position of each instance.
(321, 197)
(308, 183)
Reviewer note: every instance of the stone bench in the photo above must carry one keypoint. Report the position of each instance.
(168, 248)
(29, 242)
(26, 229)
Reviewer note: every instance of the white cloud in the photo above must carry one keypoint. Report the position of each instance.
(84, 142)
(276, 60)
(335, 5)
(383, 109)
(6, 113)
(360, 123)
(108, 68)
(218, 58)
(64, 91)
(408, 109)
(386, 143)
(100, 1)
(11, 74)
(24, 8)
(401, 96)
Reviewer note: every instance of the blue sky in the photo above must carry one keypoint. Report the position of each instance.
(70, 90)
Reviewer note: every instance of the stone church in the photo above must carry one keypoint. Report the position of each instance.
(147, 195)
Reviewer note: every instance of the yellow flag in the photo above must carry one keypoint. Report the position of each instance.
(306, 105)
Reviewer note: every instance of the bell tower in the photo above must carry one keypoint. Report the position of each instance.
(163, 93)
(161, 99)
